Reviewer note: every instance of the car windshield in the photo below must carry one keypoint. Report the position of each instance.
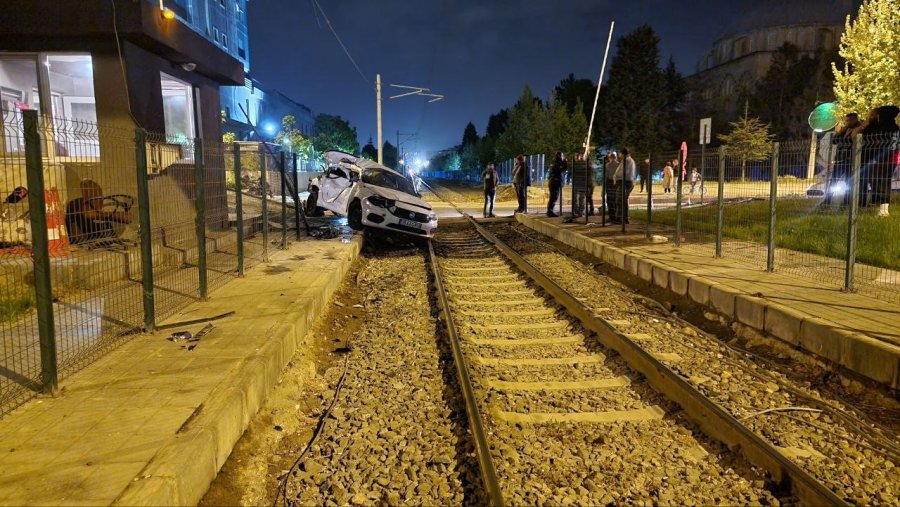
(387, 179)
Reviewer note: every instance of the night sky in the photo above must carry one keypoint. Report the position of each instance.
(479, 53)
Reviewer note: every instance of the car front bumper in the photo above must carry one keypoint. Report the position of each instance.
(382, 218)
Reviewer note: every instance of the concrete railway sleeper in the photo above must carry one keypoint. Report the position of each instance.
(559, 417)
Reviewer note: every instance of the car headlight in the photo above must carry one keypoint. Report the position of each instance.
(432, 217)
(839, 188)
(381, 202)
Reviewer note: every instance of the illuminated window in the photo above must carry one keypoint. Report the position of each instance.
(178, 108)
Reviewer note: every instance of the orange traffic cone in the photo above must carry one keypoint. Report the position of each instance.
(58, 240)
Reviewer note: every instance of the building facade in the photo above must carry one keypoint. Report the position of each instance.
(743, 53)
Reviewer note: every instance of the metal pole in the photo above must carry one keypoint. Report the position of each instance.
(264, 188)
(679, 179)
(378, 108)
(296, 196)
(650, 196)
(200, 206)
(239, 209)
(702, 163)
(773, 199)
(720, 202)
(143, 194)
(43, 292)
(853, 217)
(282, 173)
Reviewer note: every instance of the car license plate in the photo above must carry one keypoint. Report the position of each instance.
(410, 223)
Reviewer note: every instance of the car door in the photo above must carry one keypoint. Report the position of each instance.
(334, 190)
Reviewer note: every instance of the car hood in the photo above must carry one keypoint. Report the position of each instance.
(399, 196)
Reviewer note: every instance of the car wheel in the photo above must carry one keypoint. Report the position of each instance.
(354, 216)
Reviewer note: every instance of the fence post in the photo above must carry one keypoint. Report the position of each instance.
(853, 217)
(143, 195)
(296, 196)
(773, 199)
(720, 202)
(239, 208)
(43, 291)
(264, 189)
(650, 196)
(281, 173)
(680, 172)
(200, 207)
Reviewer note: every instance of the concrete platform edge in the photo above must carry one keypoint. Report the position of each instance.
(183, 469)
(862, 354)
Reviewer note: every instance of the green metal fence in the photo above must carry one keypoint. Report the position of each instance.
(105, 232)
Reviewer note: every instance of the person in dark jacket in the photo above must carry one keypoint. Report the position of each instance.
(521, 182)
(880, 136)
(490, 178)
(837, 182)
(557, 172)
(609, 185)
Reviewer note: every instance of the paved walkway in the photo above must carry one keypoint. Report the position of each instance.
(857, 331)
(151, 423)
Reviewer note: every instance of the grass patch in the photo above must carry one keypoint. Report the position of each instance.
(16, 305)
(799, 226)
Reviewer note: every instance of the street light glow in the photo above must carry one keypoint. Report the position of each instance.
(269, 128)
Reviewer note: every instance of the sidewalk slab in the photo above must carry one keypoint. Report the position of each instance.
(858, 332)
(151, 423)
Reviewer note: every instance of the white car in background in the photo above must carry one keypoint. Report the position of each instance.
(373, 196)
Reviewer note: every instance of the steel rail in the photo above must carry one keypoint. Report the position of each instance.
(482, 450)
(712, 419)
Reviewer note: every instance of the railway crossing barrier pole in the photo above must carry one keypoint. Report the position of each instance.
(143, 195)
(773, 199)
(720, 202)
(853, 216)
(264, 191)
(34, 169)
(650, 196)
(281, 174)
(239, 209)
(200, 208)
(296, 196)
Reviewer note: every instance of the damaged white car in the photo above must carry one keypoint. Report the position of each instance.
(373, 196)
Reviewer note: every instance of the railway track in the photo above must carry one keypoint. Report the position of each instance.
(568, 407)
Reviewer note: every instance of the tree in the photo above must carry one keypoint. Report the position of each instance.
(672, 112)
(447, 160)
(749, 139)
(521, 125)
(470, 136)
(469, 158)
(634, 97)
(497, 124)
(576, 94)
(334, 133)
(390, 155)
(292, 140)
(870, 76)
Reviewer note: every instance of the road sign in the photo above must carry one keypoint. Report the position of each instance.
(705, 130)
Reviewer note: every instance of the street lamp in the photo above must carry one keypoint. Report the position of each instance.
(412, 90)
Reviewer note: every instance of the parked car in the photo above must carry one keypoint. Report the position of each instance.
(373, 196)
(818, 189)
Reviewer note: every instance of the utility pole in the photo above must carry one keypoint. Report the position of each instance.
(378, 94)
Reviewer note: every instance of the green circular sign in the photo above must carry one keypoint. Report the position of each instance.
(824, 117)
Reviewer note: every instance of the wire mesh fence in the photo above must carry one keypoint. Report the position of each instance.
(105, 232)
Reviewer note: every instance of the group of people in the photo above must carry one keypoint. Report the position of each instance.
(879, 135)
(521, 181)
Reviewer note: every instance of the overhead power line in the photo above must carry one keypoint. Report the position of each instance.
(336, 36)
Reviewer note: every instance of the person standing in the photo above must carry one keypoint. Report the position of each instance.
(609, 185)
(489, 177)
(696, 181)
(624, 181)
(557, 172)
(591, 176)
(880, 136)
(521, 182)
(645, 174)
(579, 185)
(668, 174)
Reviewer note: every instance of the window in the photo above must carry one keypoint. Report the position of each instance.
(216, 34)
(178, 109)
(58, 85)
(224, 41)
(222, 3)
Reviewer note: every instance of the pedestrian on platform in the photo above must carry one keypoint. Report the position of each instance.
(667, 175)
(521, 182)
(696, 185)
(557, 173)
(591, 175)
(609, 185)
(490, 178)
